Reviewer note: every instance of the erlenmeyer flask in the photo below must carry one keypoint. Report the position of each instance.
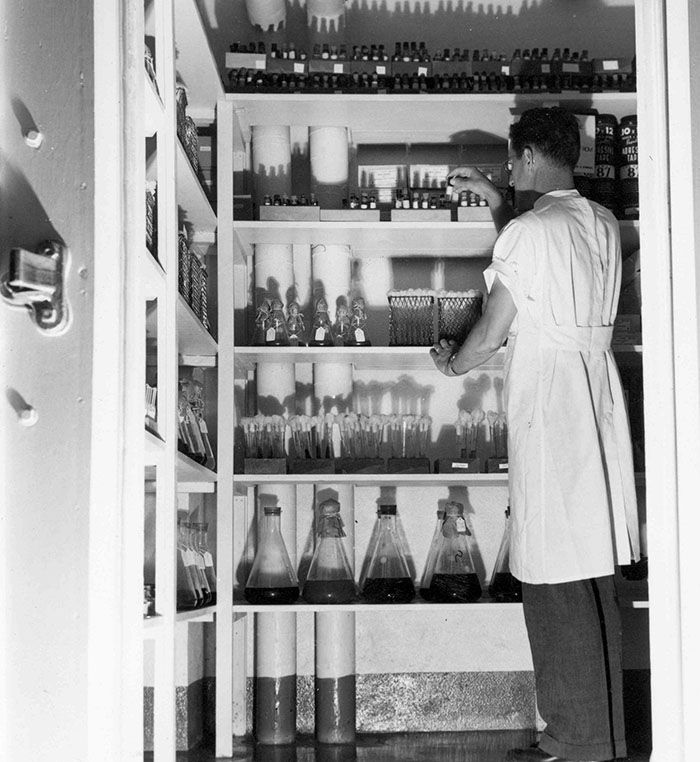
(330, 578)
(425, 593)
(272, 578)
(388, 578)
(504, 587)
(189, 593)
(454, 579)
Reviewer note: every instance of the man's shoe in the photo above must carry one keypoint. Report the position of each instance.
(533, 754)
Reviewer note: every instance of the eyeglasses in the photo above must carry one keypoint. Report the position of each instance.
(508, 165)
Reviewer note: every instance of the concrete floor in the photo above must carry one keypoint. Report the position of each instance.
(477, 746)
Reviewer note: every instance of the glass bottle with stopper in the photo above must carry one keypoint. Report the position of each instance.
(341, 327)
(261, 317)
(388, 578)
(504, 587)
(330, 578)
(272, 579)
(357, 336)
(295, 325)
(276, 327)
(454, 579)
(321, 335)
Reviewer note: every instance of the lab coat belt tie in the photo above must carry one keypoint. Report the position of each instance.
(572, 338)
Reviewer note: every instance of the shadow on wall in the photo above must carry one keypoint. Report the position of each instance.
(499, 26)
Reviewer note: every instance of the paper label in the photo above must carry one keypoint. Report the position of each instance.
(338, 68)
(502, 466)
(380, 69)
(463, 466)
(570, 68)
(298, 68)
(546, 69)
(208, 559)
(320, 334)
(270, 334)
(359, 335)
(505, 70)
(203, 426)
(611, 65)
(260, 64)
(199, 560)
(461, 525)
(423, 71)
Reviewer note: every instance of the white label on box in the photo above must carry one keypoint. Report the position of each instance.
(381, 69)
(502, 466)
(586, 160)
(570, 68)
(505, 70)
(260, 63)
(338, 68)
(298, 68)
(463, 466)
(545, 69)
(611, 65)
(422, 71)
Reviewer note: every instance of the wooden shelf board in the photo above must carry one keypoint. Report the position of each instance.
(381, 358)
(191, 197)
(154, 110)
(192, 337)
(381, 239)
(154, 449)
(195, 62)
(193, 477)
(379, 118)
(368, 480)
(153, 276)
(360, 607)
(205, 614)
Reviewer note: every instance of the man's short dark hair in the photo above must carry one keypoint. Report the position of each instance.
(553, 131)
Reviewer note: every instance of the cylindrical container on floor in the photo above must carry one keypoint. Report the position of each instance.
(275, 678)
(271, 160)
(335, 677)
(328, 156)
(330, 266)
(269, 15)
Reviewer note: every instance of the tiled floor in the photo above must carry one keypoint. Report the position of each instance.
(478, 746)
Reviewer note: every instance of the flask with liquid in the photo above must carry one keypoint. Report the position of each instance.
(424, 589)
(330, 578)
(272, 578)
(504, 587)
(388, 578)
(454, 579)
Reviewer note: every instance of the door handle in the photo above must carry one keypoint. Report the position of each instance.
(35, 280)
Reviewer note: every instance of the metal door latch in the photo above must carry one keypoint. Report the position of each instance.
(35, 280)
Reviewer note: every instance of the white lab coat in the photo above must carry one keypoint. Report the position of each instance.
(572, 492)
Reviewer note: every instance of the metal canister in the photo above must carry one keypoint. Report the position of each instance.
(628, 169)
(605, 144)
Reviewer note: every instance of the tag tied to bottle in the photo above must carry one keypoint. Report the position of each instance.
(320, 334)
(359, 335)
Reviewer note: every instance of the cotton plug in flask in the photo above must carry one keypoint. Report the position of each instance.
(454, 579)
(388, 578)
(272, 580)
(330, 578)
(424, 589)
(504, 587)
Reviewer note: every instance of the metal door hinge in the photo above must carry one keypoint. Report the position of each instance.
(35, 280)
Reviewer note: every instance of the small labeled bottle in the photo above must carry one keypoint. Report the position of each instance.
(454, 579)
(330, 578)
(424, 588)
(504, 587)
(276, 328)
(272, 579)
(388, 578)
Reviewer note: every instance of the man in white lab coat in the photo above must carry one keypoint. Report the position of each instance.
(553, 288)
